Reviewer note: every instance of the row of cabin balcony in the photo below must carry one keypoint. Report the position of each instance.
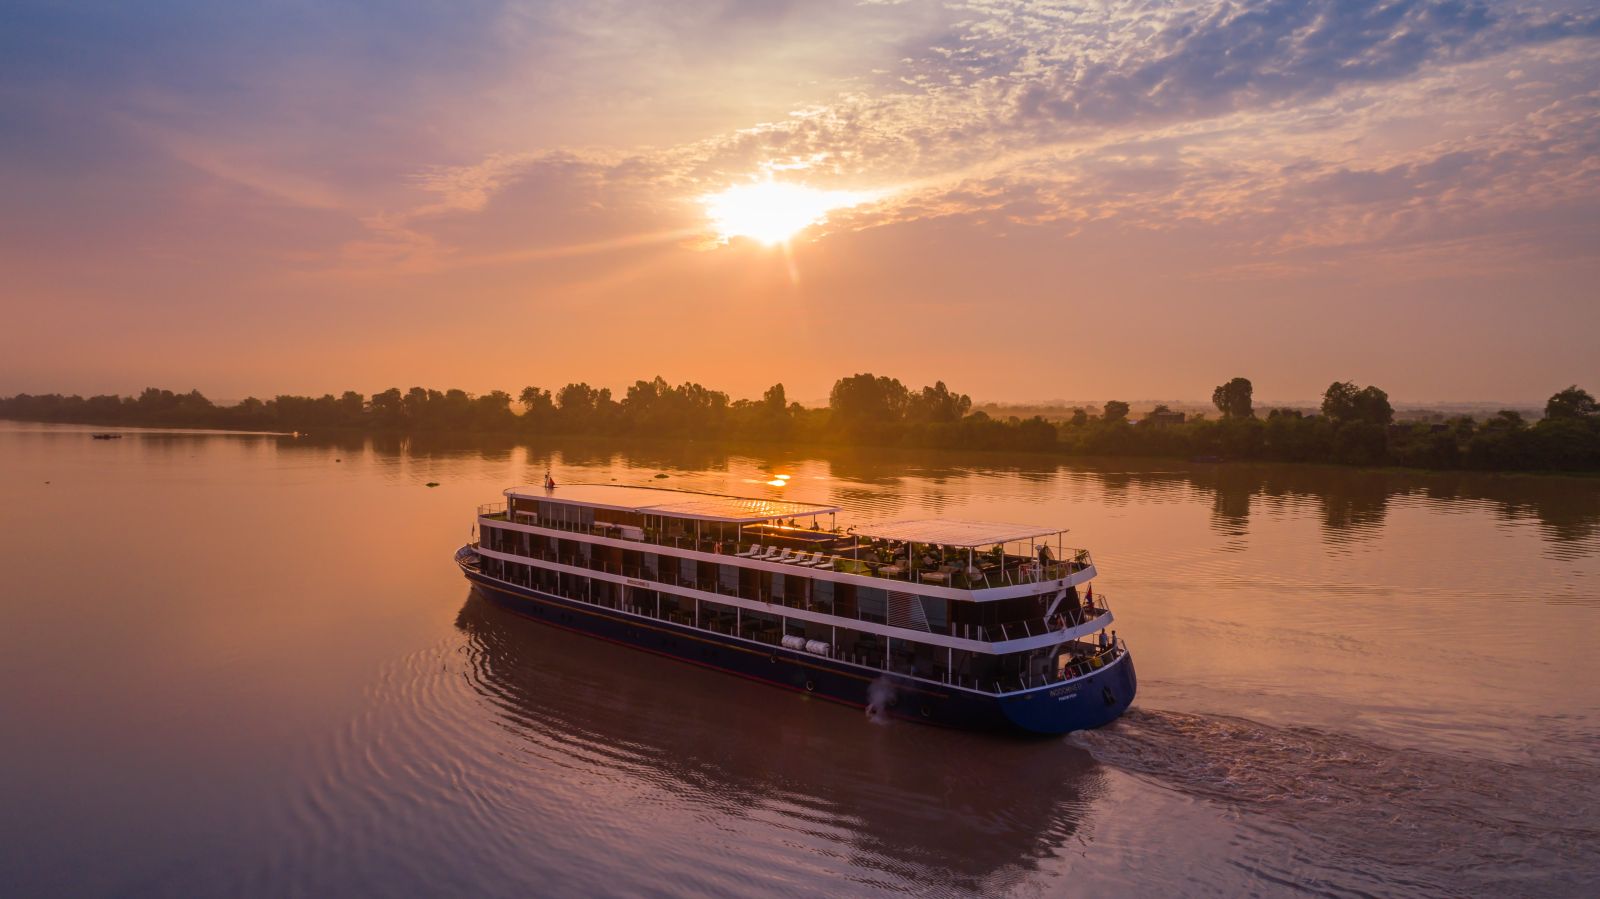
(1000, 673)
(806, 546)
(992, 621)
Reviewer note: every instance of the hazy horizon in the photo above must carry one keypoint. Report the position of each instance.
(1023, 200)
(618, 389)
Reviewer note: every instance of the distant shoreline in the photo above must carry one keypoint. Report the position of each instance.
(1354, 425)
(334, 435)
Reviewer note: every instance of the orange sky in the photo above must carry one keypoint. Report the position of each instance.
(1065, 200)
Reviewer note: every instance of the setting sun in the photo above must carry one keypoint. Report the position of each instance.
(772, 212)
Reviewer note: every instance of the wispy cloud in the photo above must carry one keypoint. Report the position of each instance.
(1039, 112)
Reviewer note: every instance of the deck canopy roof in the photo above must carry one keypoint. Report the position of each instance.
(954, 531)
(674, 503)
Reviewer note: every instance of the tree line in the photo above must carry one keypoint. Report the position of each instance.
(1354, 425)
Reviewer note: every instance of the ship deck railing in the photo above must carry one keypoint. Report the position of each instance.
(1083, 658)
(990, 632)
(851, 555)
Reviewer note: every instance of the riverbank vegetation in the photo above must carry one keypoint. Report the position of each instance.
(1355, 425)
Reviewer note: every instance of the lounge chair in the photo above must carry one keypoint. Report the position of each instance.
(805, 558)
(752, 552)
(788, 556)
(820, 561)
(771, 556)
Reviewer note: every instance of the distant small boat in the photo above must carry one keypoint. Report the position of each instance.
(106, 436)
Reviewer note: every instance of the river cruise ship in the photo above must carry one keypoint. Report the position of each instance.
(960, 623)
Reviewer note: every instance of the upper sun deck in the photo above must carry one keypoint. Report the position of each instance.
(671, 503)
(954, 554)
(959, 533)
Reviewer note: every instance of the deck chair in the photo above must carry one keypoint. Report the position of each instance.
(772, 554)
(788, 556)
(752, 552)
(818, 560)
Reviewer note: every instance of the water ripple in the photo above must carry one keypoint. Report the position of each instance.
(1400, 821)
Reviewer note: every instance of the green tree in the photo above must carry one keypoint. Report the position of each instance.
(1570, 403)
(1339, 401)
(868, 399)
(1115, 411)
(937, 404)
(1506, 420)
(581, 407)
(535, 401)
(1344, 402)
(353, 407)
(776, 400)
(389, 408)
(492, 411)
(1235, 398)
(1036, 434)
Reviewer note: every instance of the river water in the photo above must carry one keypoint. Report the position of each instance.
(246, 665)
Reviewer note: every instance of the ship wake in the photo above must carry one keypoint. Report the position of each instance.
(1405, 820)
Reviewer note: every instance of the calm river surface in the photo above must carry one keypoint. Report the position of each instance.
(243, 664)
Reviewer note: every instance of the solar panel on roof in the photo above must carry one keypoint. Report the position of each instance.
(679, 503)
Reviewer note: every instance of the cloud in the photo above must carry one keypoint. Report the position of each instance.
(1283, 127)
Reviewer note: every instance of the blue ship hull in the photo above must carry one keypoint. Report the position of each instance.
(1065, 706)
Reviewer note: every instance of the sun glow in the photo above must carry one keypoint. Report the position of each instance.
(772, 212)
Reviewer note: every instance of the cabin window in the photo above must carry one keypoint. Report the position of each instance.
(873, 604)
(860, 647)
(567, 517)
(812, 630)
(903, 658)
(728, 579)
(705, 577)
(936, 609)
(686, 572)
(844, 600)
(822, 596)
(714, 616)
(761, 626)
(750, 584)
(553, 514)
(619, 517)
(673, 607)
